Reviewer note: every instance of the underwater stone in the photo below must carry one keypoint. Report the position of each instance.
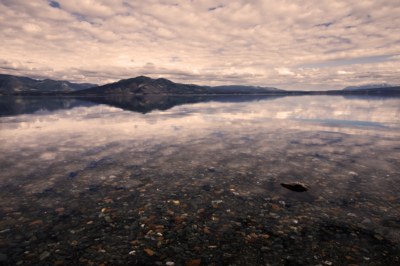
(295, 186)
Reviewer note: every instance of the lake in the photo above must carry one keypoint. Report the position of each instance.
(155, 180)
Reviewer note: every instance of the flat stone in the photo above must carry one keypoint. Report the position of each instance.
(295, 186)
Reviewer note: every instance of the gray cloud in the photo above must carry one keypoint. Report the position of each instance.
(288, 44)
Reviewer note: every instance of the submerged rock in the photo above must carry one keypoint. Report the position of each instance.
(149, 252)
(44, 255)
(295, 186)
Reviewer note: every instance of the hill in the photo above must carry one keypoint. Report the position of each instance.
(368, 86)
(145, 85)
(16, 85)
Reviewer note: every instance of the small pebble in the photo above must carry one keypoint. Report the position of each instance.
(44, 255)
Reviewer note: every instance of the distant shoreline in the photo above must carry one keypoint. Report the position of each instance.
(142, 85)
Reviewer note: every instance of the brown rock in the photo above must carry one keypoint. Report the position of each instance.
(149, 252)
(194, 262)
(60, 210)
(206, 230)
(275, 207)
(265, 236)
(179, 219)
(108, 200)
(37, 222)
(135, 242)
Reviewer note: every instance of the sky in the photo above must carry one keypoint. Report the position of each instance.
(290, 44)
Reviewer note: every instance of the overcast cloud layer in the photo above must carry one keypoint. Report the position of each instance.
(287, 44)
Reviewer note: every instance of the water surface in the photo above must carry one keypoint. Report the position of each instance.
(155, 180)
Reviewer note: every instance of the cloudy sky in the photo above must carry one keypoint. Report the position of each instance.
(287, 44)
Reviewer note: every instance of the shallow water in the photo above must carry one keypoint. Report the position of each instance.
(156, 180)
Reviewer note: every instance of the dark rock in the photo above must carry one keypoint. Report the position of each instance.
(206, 187)
(295, 186)
(94, 188)
(72, 175)
(120, 188)
(211, 169)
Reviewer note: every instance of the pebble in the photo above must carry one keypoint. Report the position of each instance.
(275, 207)
(60, 210)
(179, 226)
(366, 221)
(265, 249)
(37, 222)
(175, 202)
(193, 262)
(44, 255)
(149, 252)
(211, 169)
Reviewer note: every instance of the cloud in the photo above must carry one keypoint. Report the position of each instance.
(343, 72)
(288, 44)
(284, 71)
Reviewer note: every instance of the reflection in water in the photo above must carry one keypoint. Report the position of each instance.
(89, 181)
(26, 105)
(10, 105)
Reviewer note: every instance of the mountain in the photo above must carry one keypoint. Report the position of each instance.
(370, 89)
(144, 85)
(15, 85)
(368, 86)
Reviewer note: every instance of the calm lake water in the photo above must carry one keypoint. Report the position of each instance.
(196, 181)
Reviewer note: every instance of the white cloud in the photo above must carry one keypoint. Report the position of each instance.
(217, 42)
(284, 71)
(343, 72)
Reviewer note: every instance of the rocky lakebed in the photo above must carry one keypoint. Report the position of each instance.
(290, 181)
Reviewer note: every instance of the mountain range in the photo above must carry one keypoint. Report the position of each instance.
(145, 85)
(10, 85)
(142, 85)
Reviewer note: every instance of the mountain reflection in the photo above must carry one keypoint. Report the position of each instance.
(10, 106)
